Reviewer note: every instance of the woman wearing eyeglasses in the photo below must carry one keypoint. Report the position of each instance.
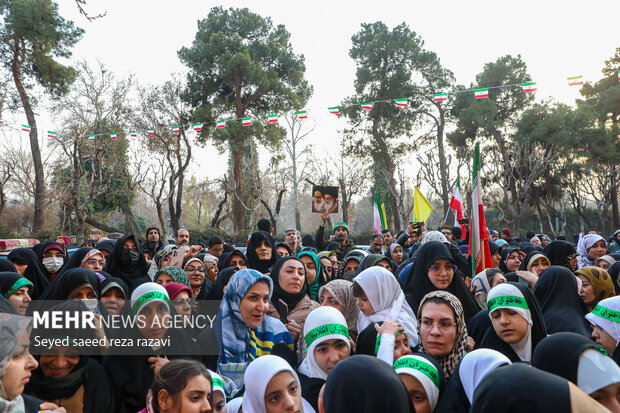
(195, 269)
(181, 297)
(443, 333)
(434, 269)
(85, 257)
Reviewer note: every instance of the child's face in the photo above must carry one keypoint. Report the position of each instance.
(364, 304)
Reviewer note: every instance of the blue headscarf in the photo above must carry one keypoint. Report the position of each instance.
(237, 343)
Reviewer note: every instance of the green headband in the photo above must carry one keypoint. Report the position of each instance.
(378, 342)
(326, 330)
(506, 301)
(218, 383)
(425, 368)
(21, 282)
(153, 295)
(606, 313)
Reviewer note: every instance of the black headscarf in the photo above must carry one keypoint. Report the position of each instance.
(528, 257)
(614, 271)
(291, 300)
(223, 277)
(99, 394)
(538, 332)
(111, 282)
(106, 245)
(372, 260)
(289, 251)
(34, 272)
(76, 259)
(253, 262)
(559, 251)
(559, 354)
(562, 307)
(8, 280)
(7, 266)
(224, 261)
(418, 284)
(478, 325)
(504, 254)
(133, 275)
(307, 241)
(344, 264)
(521, 388)
(365, 384)
(63, 285)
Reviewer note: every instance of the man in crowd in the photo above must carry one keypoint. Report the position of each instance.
(506, 235)
(388, 238)
(153, 241)
(182, 237)
(291, 239)
(376, 244)
(341, 233)
(216, 246)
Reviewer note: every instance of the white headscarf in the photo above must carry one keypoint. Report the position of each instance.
(234, 405)
(217, 384)
(606, 315)
(476, 365)
(323, 323)
(258, 375)
(511, 297)
(420, 368)
(148, 293)
(585, 243)
(388, 301)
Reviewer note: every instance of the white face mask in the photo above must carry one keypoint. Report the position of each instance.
(53, 264)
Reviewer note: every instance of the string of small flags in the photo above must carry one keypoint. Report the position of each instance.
(481, 93)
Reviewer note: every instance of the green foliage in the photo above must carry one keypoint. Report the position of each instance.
(196, 236)
(240, 66)
(43, 35)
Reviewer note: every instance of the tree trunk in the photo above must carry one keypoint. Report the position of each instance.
(39, 178)
(238, 210)
(162, 221)
(130, 219)
(101, 225)
(443, 169)
(174, 220)
(615, 213)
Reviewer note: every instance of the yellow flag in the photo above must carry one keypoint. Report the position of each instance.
(421, 207)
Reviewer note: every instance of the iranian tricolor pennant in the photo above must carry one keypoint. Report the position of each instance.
(618, 80)
(150, 131)
(91, 137)
(272, 118)
(529, 87)
(439, 97)
(220, 124)
(334, 109)
(401, 102)
(176, 129)
(113, 136)
(246, 121)
(51, 134)
(133, 134)
(367, 105)
(302, 114)
(481, 93)
(197, 126)
(26, 128)
(575, 80)
(1, 122)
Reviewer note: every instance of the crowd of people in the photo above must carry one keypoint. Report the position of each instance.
(316, 323)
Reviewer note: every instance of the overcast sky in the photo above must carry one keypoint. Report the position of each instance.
(556, 40)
